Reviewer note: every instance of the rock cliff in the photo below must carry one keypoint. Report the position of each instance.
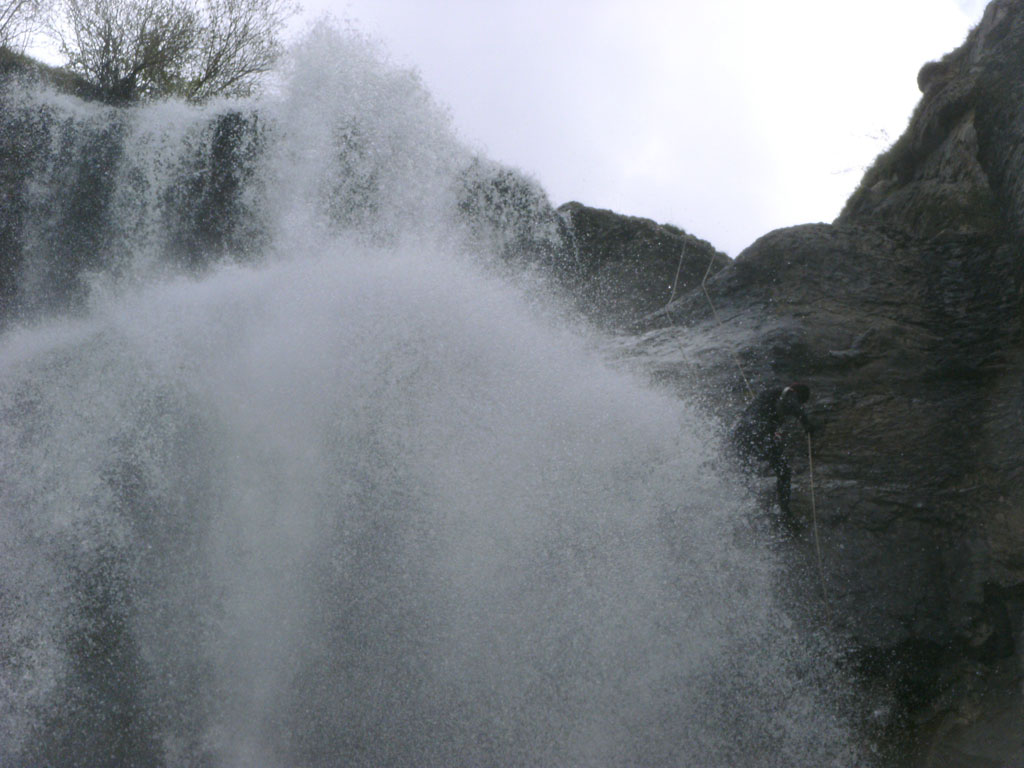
(904, 317)
(627, 267)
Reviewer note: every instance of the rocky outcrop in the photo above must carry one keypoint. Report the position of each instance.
(73, 197)
(71, 202)
(626, 267)
(614, 269)
(905, 318)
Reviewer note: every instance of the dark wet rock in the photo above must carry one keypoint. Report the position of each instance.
(614, 269)
(508, 213)
(60, 173)
(905, 318)
(625, 267)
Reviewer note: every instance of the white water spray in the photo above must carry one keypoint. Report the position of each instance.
(360, 504)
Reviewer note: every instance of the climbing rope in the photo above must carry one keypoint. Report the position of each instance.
(675, 280)
(718, 321)
(814, 525)
(810, 451)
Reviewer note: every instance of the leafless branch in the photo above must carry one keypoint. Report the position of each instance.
(195, 49)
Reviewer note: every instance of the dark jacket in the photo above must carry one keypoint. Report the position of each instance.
(757, 432)
(757, 436)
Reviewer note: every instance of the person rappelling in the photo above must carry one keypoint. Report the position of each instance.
(757, 436)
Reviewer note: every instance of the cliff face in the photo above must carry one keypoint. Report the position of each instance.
(904, 317)
(71, 202)
(76, 200)
(626, 267)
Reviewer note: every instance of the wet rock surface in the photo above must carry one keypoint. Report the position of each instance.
(626, 267)
(904, 317)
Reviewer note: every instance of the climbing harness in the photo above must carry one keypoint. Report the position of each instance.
(814, 526)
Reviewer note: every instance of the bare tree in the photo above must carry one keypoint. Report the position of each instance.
(19, 19)
(238, 42)
(145, 48)
(128, 49)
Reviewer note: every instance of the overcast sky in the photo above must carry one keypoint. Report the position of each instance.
(728, 118)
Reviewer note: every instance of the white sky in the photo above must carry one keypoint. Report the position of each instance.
(728, 118)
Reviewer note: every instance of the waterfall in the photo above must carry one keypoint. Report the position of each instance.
(297, 470)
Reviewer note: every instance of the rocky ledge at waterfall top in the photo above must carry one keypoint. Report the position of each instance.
(905, 318)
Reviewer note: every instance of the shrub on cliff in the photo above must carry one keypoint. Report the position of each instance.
(134, 49)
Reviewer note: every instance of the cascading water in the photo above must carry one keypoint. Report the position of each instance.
(344, 495)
